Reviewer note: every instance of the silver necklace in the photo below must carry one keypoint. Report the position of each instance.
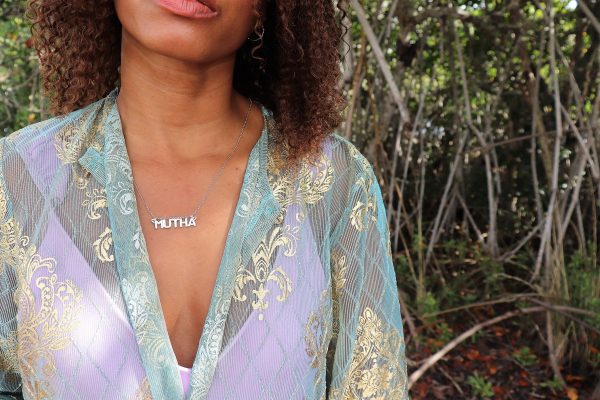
(189, 221)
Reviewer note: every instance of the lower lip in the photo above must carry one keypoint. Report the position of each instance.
(187, 8)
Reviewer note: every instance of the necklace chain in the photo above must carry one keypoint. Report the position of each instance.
(180, 222)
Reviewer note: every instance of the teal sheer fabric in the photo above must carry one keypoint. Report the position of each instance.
(305, 304)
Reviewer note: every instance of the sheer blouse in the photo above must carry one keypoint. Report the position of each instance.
(305, 305)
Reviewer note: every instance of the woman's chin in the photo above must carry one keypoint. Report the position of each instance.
(171, 41)
(158, 26)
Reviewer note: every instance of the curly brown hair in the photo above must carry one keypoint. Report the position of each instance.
(293, 71)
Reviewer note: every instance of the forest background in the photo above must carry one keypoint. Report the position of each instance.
(482, 121)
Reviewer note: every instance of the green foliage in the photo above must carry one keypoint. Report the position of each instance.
(480, 386)
(554, 384)
(583, 274)
(428, 306)
(525, 356)
(478, 335)
(445, 332)
(19, 93)
(595, 361)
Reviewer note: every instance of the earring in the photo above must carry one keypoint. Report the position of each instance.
(259, 30)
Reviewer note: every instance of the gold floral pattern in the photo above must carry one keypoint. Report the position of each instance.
(43, 328)
(357, 155)
(94, 202)
(361, 210)
(102, 246)
(264, 253)
(70, 142)
(317, 333)
(5, 229)
(313, 182)
(3, 202)
(143, 392)
(10, 361)
(375, 372)
(339, 270)
(388, 245)
(313, 185)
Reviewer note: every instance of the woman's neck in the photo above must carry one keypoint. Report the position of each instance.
(176, 110)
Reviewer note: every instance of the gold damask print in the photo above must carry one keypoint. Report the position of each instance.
(3, 201)
(9, 252)
(5, 229)
(95, 200)
(388, 249)
(280, 217)
(70, 143)
(365, 182)
(102, 246)
(312, 183)
(375, 372)
(10, 360)
(43, 328)
(317, 336)
(279, 236)
(361, 210)
(143, 392)
(356, 154)
(300, 216)
(317, 333)
(339, 269)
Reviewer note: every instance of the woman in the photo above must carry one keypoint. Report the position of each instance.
(188, 224)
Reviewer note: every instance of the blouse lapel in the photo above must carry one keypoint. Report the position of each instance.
(255, 213)
(136, 278)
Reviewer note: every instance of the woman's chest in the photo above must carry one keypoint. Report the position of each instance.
(90, 315)
(185, 258)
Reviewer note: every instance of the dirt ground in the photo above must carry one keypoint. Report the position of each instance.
(502, 362)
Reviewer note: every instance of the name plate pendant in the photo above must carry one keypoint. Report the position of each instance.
(174, 222)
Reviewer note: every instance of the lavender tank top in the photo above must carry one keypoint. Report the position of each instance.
(185, 379)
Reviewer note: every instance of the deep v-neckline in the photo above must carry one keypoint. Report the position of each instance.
(146, 231)
(254, 214)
